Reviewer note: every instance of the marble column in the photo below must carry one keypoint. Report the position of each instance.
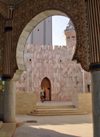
(9, 102)
(95, 77)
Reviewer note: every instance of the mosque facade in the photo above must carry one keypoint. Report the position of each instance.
(52, 69)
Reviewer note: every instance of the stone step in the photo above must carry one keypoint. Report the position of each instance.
(7, 129)
(57, 112)
(56, 107)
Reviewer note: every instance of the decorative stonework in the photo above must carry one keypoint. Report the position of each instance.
(2, 22)
(11, 1)
(3, 9)
(93, 11)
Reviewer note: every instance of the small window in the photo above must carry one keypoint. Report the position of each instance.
(88, 86)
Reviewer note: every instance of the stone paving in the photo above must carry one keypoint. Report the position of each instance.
(55, 126)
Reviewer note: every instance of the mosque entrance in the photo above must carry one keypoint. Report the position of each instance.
(46, 86)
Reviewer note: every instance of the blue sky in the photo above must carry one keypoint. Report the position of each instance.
(59, 24)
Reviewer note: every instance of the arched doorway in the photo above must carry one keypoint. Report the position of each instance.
(46, 86)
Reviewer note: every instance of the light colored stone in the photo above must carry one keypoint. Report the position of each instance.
(65, 76)
(25, 103)
(83, 101)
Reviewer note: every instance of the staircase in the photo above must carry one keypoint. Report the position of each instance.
(57, 110)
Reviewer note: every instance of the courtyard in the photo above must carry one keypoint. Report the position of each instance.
(54, 126)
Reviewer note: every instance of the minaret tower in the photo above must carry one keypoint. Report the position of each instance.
(70, 35)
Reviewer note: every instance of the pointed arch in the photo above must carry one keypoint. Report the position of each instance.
(46, 86)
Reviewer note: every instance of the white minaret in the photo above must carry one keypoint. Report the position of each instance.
(70, 35)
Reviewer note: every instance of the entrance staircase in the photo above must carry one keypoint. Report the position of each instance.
(56, 110)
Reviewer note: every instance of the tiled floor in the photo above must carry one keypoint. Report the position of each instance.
(55, 126)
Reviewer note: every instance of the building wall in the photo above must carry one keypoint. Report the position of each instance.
(83, 102)
(66, 76)
(42, 33)
(25, 103)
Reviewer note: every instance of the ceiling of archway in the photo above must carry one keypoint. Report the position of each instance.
(11, 1)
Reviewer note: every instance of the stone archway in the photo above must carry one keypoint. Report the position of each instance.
(46, 86)
(28, 14)
(27, 30)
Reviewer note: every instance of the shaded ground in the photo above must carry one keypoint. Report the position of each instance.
(55, 126)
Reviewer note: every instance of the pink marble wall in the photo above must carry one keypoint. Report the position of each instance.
(66, 76)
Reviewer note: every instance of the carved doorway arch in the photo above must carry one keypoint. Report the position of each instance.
(46, 86)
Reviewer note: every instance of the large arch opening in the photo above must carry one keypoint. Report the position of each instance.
(48, 63)
(20, 53)
(27, 30)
